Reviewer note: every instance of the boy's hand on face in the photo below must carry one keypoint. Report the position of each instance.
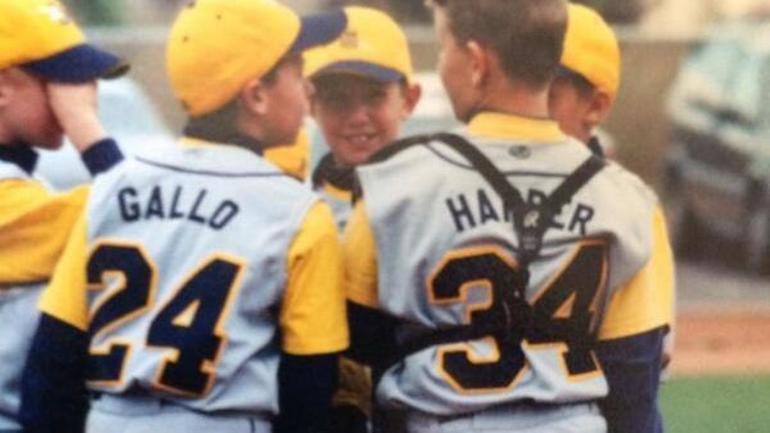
(75, 107)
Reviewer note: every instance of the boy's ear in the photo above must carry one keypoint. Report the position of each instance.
(412, 95)
(598, 108)
(479, 63)
(253, 97)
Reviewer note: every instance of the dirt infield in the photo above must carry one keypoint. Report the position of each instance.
(714, 341)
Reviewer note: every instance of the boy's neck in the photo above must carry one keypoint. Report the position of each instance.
(516, 99)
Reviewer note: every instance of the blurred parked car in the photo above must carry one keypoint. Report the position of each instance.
(129, 117)
(718, 168)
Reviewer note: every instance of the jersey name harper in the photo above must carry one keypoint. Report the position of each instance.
(163, 203)
(469, 211)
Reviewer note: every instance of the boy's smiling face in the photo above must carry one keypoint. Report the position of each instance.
(360, 115)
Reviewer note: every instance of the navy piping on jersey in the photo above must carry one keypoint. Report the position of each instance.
(208, 172)
(19, 154)
(505, 173)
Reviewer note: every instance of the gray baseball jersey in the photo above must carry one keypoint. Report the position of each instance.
(190, 257)
(445, 249)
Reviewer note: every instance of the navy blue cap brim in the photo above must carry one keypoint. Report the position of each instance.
(379, 73)
(319, 29)
(79, 64)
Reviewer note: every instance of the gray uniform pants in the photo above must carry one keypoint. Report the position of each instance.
(572, 418)
(19, 316)
(123, 414)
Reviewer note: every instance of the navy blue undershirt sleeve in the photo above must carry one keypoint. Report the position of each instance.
(632, 367)
(372, 335)
(54, 396)
(102, 156)
(305, 388)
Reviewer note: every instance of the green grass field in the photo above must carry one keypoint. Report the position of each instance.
(739, 404)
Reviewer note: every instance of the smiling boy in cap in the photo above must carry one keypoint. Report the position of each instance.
(228, 310)
(364, 91)
(47, 90)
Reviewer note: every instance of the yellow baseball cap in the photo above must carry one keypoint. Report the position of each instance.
(40, 37)
(591, 49)
(217, 46)
(372, 45)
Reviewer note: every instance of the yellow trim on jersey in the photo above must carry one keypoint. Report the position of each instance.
(360, 252)
(647, 301)
(337, 193)
(508, 126)
(313, 318)
(292, 159)
(66, 295)
(193, 143)
(34, 227)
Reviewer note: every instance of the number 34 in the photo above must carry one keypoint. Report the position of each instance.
(563, 313)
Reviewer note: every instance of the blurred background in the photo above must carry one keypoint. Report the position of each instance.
(692, 119)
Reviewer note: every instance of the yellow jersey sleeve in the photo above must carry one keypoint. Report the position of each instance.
(66, 297)
(360, 251)
(34, 227)
(313, 316)
(647, 301)
(294, 158)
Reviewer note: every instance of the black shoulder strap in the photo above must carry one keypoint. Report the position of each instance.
(398, 146)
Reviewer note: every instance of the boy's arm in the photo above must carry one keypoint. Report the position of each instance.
(631, 340)
(54, 396)
(313, 325)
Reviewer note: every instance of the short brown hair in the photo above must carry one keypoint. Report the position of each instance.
(527, 35)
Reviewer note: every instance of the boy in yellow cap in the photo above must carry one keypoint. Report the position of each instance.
(201, 290)
(364, 91)
(487, 269)
(587, 82)
(581, 98)
(47, 90)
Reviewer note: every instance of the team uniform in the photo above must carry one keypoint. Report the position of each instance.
(34, 227)
(192, 271)
(431, 245)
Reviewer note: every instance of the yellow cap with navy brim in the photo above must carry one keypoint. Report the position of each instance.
(217, 46)
(372, 45)
(591, 49)
(40, 37)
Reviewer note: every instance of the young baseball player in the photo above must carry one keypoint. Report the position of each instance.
(364, 90)
(494, 263)
(47, 89)
(587, 82)
(201, 289)
(580, 99)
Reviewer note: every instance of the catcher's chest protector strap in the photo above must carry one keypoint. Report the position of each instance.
(530, 222)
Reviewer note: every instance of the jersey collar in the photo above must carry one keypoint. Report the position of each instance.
(509, 126)
(21, 155)
(328, 172)
(200, 132)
